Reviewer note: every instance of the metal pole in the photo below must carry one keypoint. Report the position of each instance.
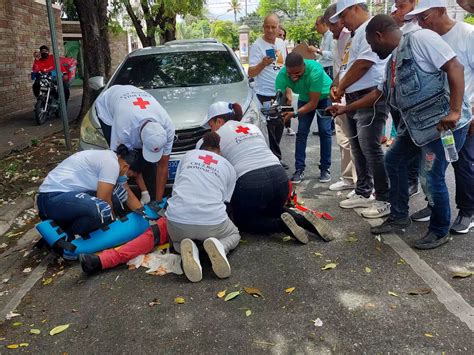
(59, 75)
(246, 14)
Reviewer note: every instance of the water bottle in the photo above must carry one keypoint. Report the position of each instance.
(449, 146)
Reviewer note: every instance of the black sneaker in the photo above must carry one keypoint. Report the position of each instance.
(462, 224)
(423, 215)
(431, 241)
(391, 225)
(297, 176)
(90, 263)
(413, 190)
(296, 231)
(320, 226)
(325, 176)
(315, 133)
(284, 165)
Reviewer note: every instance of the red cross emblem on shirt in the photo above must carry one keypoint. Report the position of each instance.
(140, 102)
(242, 129)
(208, 159)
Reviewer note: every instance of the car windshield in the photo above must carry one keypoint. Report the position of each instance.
(179, 69)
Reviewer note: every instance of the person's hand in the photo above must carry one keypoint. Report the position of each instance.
(287, 116)
(333, 94)
(313, 49)
(449, 122)
(145, 197)
(337, 110)
(267, 61)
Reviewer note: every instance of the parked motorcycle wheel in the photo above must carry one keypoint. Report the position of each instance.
(40, 116)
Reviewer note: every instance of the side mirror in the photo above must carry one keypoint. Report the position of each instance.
(96, 83)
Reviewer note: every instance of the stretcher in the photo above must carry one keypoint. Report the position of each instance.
(108, 236)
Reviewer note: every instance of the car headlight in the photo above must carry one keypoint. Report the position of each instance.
(90, 134)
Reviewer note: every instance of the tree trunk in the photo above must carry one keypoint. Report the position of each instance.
(169, 34)
(95, 43)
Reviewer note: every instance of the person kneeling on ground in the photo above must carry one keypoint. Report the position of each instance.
(196, 210)
(78, 194)
(262, 188)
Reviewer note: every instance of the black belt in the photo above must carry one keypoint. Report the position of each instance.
(263, 98)
(359, 93)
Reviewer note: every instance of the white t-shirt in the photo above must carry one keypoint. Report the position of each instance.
(361, 50)
(126, 108)
(244, 146)
(204, 181)
(265, 81)
(461, 39)
(82, 171)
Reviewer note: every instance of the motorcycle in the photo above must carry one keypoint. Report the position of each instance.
(47, 103)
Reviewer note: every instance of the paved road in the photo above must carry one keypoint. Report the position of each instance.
(109, 313)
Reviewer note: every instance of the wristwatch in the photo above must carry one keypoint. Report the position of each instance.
(295, 114)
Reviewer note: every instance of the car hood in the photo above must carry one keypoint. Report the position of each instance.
(188, 106)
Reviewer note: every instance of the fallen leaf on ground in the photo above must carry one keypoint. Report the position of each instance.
(24, 345)
(12, 315)
(58, 329)
(394, 294)
(13, 346)
(231, 295)
(368, 270)
(370, 306)
(462, 274)
(16, 324)
(318, 254)
(248, 312)
(179, 300)
(47, 281)
(290, 290)
(401, 262)
(27, 270)
(221, 294)
(318, 322)
(35, 331)
(351, 239)
(420, 291)
(154, 302)
(429, 335)
(12, 234)
(287, 238)
(253, 291)
(329, 266)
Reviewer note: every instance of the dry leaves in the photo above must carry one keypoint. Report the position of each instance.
(231, 296)
(35, 331)
(221, 294)
(16, 346)
(290, 290)
(287, 238)
(394, 294)
(154, 302)
(368, 270)
(420, 291)
(429, 335)
(248, 313)
(58, 329)
(329, 266)
(255, 292)
(462, 274)
(47, 281)
(179, 300)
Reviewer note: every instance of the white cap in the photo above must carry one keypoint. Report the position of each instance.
(424, 5)
(219, 108)
(154, 140)
(393, 8)
(342, 5)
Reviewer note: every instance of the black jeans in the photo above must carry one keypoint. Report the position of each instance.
(464, 173)
(275, 127)
(365, 134)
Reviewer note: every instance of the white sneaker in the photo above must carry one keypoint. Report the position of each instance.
(377, 210)
(290, 132)
(356, 201)
(219, 261)
(191, 264)
(351, 193)
(342, 184)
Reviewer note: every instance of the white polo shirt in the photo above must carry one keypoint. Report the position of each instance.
(126, 108)
(204, 181)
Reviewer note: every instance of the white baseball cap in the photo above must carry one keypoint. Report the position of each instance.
(219, 108)
(424, 5)
(393, 8)
(154, 140)
(342, 5)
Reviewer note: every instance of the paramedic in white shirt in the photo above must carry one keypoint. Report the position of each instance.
(133, 117)
(267, 57)
(196, 211)
(262, 186)
(81, 192)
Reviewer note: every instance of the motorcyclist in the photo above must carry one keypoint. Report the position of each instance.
(45, 64)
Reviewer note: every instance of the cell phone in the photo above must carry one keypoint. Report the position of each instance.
(270, 53)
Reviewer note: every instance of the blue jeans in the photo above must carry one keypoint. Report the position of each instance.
(432, 175)
(75, 212)
(325, 136)
(398, 160)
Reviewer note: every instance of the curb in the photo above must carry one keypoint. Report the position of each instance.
(9, 212)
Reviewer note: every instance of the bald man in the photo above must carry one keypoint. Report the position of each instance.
(267, 57)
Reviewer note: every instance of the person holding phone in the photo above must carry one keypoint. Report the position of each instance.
(267, 57)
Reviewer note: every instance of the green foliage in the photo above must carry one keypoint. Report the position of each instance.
(235, 7)
(469, 19)
(115, 27)
(226, 32)
(253, 20)
(193, 29)
(68, 10)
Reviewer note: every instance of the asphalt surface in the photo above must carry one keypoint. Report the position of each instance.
(110, 312)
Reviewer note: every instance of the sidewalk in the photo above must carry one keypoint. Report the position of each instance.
(21, 128)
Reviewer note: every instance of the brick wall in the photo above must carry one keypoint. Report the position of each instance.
(23, 28)
(118, 49)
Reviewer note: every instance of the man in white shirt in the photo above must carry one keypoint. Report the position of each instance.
(325, 50)
(360, 73)
(432, 14)
(267, 57)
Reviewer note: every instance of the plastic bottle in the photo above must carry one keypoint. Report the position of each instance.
(449, 145)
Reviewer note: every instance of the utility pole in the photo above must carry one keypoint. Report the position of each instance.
(59, 74)
(246, 14)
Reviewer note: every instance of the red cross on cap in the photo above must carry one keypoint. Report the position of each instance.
(242, 129)
(208, 159)
(140, 102)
